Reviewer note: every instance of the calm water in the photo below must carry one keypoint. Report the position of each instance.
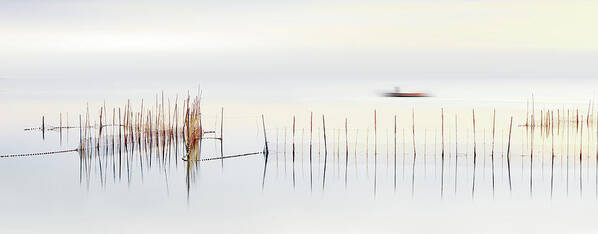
(367, 186)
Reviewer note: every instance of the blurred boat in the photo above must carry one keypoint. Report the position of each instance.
(398, 93)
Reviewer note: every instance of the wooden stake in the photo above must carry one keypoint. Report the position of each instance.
(580, 159)
(509, 155)
(456, 154)
(266, 152)
(375, 153)
(325, 153)
(395, 155)
(414, 152)
(293, 141)
(552, 158)
(311, 115)
(442, 154)
(474, 156)
(346, 152)
(492, 152)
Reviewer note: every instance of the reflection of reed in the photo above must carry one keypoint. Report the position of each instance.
(138, 141)
(146, 139)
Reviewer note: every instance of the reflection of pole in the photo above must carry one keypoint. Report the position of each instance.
(60, 128)
(597, 159)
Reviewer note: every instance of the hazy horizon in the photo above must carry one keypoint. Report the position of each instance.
(492, 49)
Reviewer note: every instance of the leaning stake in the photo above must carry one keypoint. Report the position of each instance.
(266, 151)
(509, 155)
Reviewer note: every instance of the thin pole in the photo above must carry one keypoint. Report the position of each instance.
(552, 158)
(414, 152)
(325, 153)
(567, 176)
(425, 152)
(375, 152)
(43, 127)
(531, 164)
(293, 141)
(293, 152)
(435, 152)
(474, 156)
(265, 152)
(221, 138)
(580, 158)
(509, 155)
(403, 163)
(265, 138)
(60, 128)
(346, 151)
(395, 155)
(355, 150)
(442, 154)
(596, 169)
(456, 154)
(492, 153)
(311, 116)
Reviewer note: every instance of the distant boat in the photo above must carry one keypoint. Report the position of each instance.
(398, 93)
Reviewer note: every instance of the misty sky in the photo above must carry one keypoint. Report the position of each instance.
(417, 43)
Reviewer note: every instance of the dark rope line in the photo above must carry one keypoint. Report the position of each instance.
(54, 128)
(215, 138)
(37, 154)
(225, 157)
